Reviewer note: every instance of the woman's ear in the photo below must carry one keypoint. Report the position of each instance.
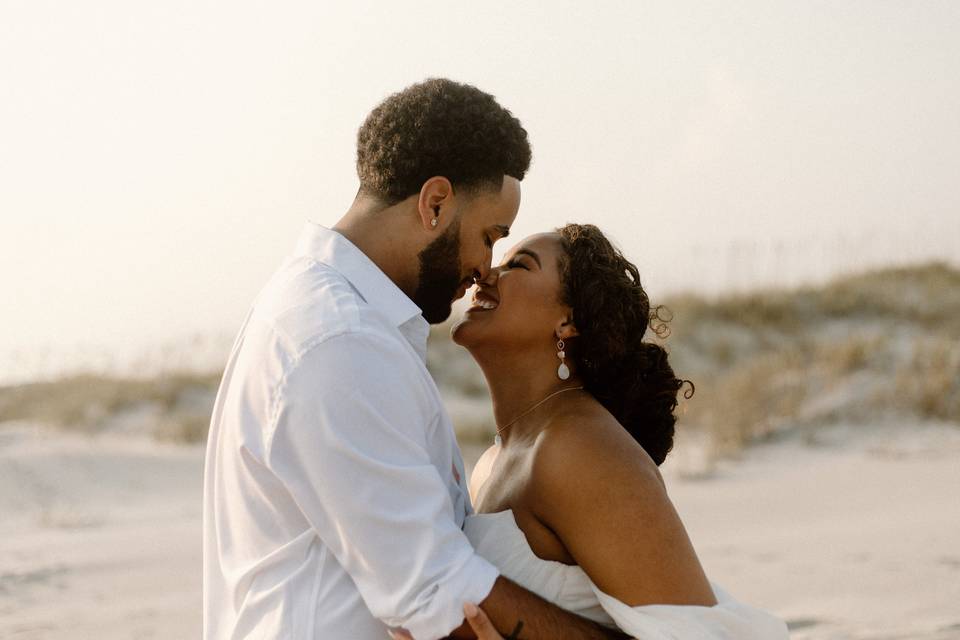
(565, 329)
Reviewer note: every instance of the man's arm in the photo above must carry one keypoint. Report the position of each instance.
(348, 440)
(519, 614)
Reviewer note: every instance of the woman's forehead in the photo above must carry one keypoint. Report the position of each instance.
(548, 241)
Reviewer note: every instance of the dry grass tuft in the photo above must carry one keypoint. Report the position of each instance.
(873, 347)
(183, 428)
(90, 403)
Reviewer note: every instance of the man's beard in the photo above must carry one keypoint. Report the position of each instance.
(439, 275)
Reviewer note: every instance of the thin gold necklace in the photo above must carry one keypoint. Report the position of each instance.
(497, 440)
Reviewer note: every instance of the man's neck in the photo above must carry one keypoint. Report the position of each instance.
(377, 232)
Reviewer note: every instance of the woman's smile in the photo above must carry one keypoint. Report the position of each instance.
(483, 300)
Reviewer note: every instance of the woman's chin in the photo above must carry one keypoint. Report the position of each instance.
(459, 331)
(464, 331)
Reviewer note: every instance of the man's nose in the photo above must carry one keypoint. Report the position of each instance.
(491, 277)
(482, 272)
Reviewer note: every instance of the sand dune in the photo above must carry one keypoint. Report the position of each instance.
(854, 535)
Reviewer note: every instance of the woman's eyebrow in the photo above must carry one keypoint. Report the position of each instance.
(531, 253)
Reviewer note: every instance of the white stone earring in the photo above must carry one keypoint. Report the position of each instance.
(434, 222)
(563, 371)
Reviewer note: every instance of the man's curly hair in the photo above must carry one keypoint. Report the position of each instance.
(439, 128)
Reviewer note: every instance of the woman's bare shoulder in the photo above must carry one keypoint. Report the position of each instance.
(589, 448)
(603, 497)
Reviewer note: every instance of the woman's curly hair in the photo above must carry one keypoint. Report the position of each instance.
(439, 128)
(630, 377)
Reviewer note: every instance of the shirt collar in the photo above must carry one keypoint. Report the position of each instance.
(332, 249)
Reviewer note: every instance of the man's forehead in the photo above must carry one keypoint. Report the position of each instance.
(496, 211)
(511, 187)
(509, 195)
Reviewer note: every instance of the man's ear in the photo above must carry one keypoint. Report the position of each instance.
(435, 204)
(565, 329)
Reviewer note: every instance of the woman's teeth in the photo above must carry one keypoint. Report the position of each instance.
(486, 304)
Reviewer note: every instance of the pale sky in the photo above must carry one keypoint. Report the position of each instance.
(158, 159)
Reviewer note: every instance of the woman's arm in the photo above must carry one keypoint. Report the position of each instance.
(603, 496)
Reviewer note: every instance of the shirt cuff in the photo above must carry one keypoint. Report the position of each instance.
(444, 612)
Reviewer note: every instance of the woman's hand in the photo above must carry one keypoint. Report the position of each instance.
(480, 623)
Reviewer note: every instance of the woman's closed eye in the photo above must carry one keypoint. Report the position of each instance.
(516, 264)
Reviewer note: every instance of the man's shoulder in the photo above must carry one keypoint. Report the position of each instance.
(307, 302)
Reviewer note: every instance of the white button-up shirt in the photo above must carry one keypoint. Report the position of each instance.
(334, 490)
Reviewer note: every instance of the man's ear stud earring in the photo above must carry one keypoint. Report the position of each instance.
(434, 222)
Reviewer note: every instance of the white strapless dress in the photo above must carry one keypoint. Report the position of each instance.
(497, 538)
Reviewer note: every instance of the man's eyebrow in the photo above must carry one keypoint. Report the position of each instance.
(528, 252)
(503, 229)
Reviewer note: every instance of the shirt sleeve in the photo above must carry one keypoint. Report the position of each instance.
(349, 438)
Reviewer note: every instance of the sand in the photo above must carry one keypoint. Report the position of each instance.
(101, 537)
(853, 534)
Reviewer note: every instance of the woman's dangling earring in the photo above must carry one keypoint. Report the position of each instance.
(563, 371)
